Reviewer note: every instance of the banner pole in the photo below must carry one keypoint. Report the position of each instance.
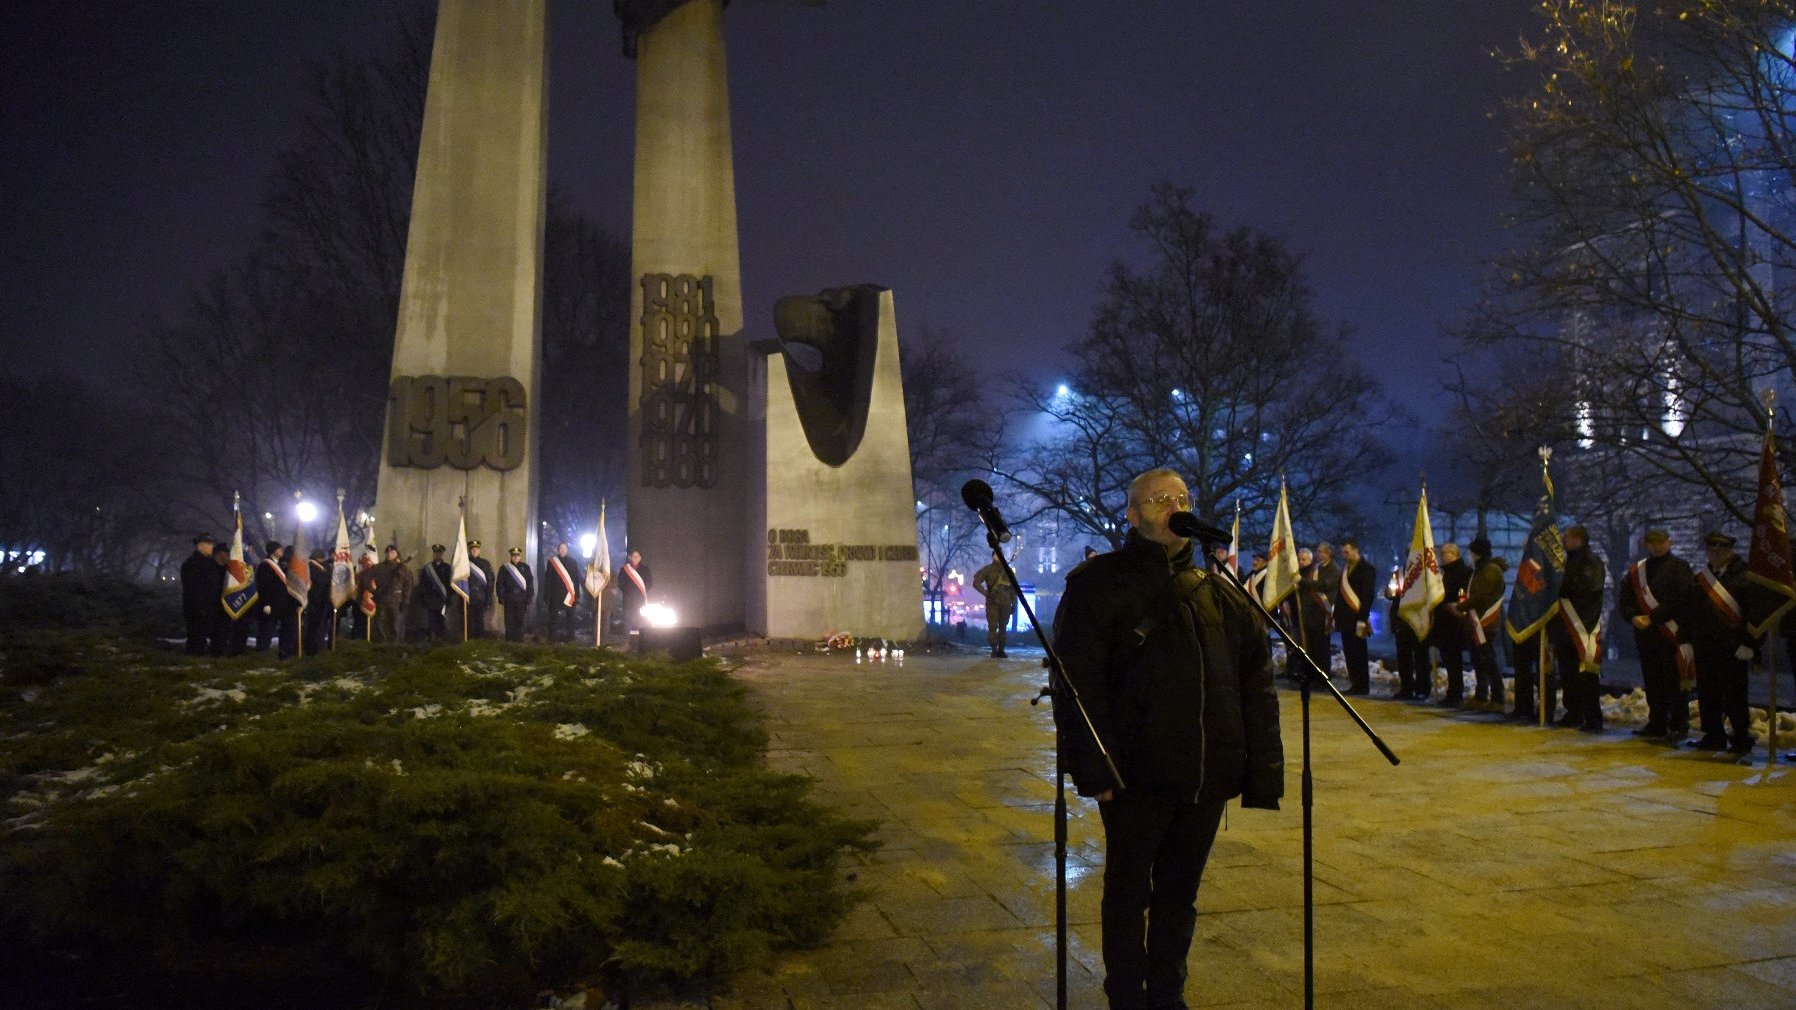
(1542, 664)
(1773, 653)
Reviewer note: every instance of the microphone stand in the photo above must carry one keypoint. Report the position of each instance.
(1312, 674)
(1059, 690)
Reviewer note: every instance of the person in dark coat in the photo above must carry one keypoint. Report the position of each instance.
(1724, 648)
(1575, 635)
(634, 583)
(202, 584)
(480, 591)
(1449, 633)
(560, 593)
(517, 588)
(272, 601)
(319, 623)
(1353, 616)
(1484, 620)
(1175, 673)
(433, 593)
(1318, 582)
(1655, 598)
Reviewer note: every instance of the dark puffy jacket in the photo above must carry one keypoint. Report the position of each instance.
(1582, 584)
(1178, 718)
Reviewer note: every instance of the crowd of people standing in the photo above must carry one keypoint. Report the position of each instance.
(392, 602)
(1691, 629)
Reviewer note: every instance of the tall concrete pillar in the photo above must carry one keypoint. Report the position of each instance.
(691, 433)
(462, 408)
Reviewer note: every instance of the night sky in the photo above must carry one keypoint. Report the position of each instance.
(980, 158)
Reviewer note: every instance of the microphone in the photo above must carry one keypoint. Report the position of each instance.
(1191, 527)
(977, 495)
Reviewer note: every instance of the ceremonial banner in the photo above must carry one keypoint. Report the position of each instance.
(1768, 559)
(299, 572)
(342, 566)
(1235, 542)
(1423, 587)
(461, 566)
(1280, 579)
(598, 572)
(239, 587)
(1536, 596)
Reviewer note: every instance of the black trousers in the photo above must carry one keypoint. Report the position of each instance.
(1359, 665)
(266, 623)
(1155, 847)
(1484, 665)
(1415, 674)
(515, 618)
(199, 631)
(1721, 692)
(1582, 688)
(1666, 707)
(558, 623)
(289, 632)
(1452, 650)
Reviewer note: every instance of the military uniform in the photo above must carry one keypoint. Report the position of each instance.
(480, 592)
(391, 583)
(433, 593)
(1000, 603)
(517, 588)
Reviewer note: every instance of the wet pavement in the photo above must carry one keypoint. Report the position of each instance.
(1498, 866)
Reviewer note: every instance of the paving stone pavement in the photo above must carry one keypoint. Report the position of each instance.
(1498, 866)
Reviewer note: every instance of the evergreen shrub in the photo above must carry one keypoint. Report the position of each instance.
(463, 824)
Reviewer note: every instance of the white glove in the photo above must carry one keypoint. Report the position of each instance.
(1743, 652)
(267, 609)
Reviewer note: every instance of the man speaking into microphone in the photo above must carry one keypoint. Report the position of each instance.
(1176, 675)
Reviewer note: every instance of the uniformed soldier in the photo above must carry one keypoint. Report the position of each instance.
(480, 591)
(391, 583)
(516, 591)
(433, 592)
(1000, 603)
(1724, 648)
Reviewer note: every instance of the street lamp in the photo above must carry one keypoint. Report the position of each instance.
(306, 511)
(588, 543)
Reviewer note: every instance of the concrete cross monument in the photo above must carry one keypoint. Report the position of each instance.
(462, 405)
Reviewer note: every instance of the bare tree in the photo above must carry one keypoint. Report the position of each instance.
(953, 426)
(1655, 158)
(1208, 358)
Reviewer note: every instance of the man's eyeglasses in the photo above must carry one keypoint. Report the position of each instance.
(1178, 502)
